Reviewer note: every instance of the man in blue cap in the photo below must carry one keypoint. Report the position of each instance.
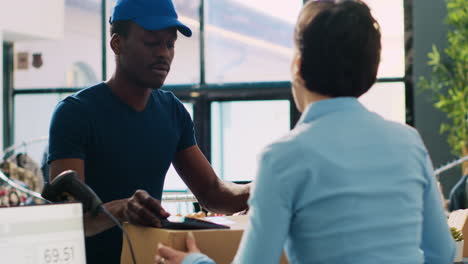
(122, 135)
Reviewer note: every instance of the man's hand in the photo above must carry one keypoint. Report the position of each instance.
(168, 255)
(142, 209)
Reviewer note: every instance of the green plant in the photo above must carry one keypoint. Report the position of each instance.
(448, 83)
(456, 234)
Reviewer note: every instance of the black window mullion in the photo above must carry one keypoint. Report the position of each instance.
(202, 43)
(202, 122)
(8, 99)
(104, 40)
(409, 52)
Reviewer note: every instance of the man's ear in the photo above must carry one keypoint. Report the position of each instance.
(116, 43)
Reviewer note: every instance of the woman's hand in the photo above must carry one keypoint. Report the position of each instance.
(168, 255)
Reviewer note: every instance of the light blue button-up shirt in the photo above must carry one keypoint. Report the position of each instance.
(345, 186)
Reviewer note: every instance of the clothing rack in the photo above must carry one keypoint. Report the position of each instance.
(452, 164)
(178, 198)
(20, 188)
(191, 197)
(23, 144)
(4, 178)
(6, 181)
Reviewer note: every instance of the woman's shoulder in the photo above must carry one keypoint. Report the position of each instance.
(284, 150)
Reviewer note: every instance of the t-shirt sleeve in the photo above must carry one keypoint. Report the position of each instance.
(68, 131)
(187, 133)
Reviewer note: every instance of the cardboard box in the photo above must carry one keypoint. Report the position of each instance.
(219, 244)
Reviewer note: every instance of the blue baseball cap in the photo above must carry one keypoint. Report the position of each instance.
(149, 14)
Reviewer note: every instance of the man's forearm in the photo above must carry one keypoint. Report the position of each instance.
(226, 198)
(101, 222)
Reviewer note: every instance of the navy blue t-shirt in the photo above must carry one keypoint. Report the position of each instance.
(123, 150)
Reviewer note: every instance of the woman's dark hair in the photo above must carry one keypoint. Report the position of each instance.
(120, 27)
(339, 43)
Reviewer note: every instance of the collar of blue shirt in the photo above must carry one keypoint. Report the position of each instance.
(317, 109)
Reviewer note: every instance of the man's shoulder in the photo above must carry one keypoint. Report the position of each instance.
(82, 100)
(87, 95)
(167, 98)
(92, 92)
(165, 95)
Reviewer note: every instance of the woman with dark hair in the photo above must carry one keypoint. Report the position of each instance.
(345, 185)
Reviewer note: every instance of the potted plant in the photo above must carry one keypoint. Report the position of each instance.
(448, 83)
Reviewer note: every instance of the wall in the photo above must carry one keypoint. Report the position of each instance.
(24, 19)
(81, 42)
(429, 29)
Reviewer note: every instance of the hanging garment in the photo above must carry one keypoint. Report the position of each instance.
(9, 196)
(23, 177)
(24, 161)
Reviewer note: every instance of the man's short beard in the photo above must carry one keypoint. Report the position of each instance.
(145, 84)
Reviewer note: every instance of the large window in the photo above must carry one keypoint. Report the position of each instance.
(249, 41)
(233, 74)
(389, 14)
(32, 115)
(173, 181)
(240, 130)
(388, 96)
(387, 99)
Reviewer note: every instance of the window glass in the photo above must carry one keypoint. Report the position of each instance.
(173, 182)
(390, 15)
(240, 130)
(177, 207)
(32, 115)
(252, 41)
(249, 41)
(387, 100)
